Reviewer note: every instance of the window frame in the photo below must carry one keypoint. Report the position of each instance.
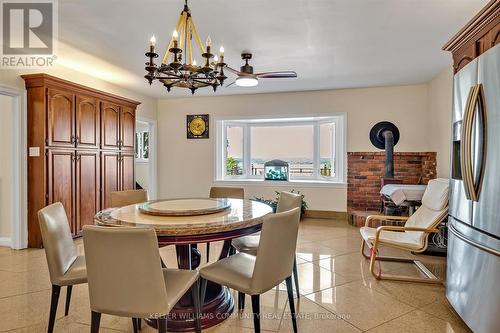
(140, 147)
(338, 145)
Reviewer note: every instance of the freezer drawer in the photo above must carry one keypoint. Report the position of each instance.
(472, 285)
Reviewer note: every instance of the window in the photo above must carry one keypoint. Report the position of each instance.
(313, 147)
(142, 146)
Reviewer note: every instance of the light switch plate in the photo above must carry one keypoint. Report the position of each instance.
(34, 151)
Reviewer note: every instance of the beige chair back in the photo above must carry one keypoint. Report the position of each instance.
(227, 192)
(57, 240)
(125, 198)
(433, 210)
(287, 201)
(276, 252)
(124, 271)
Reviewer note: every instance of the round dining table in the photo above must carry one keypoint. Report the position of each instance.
(235, 218)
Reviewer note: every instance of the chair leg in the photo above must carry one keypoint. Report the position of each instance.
(139, 323)
(208, 251)
(95, 322)
(289, 289)
(296, 277)
(195, 296)
(363, 244)
(256, 313)
(68, 299)
(241, 301)
(134, 325)
(203, 290)
(162, 325)
(56, 290)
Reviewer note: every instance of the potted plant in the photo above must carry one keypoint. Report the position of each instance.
(274, 202)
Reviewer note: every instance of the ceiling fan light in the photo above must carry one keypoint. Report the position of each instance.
(246, 82)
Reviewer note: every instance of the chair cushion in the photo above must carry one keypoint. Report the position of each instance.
(247, 244)
(234, 272)
(178, 282)
(436, 195)
(401, 239)
(76, 273)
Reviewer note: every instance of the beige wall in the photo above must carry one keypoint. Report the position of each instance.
(5, 166)
(186, 167)
(440, 107)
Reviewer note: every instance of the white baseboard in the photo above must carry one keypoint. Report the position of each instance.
(5, 241)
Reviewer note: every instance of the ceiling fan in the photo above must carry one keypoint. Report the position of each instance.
(247, 78)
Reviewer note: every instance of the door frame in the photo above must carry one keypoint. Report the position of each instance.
(19, 226)
(152, 165)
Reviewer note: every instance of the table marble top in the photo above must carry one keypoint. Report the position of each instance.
(241, 214)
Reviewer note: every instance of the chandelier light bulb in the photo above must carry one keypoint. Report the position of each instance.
(221, 51)
(209, 41)
(194, 62)
(152, 41)
(175, 35)
(216, 59)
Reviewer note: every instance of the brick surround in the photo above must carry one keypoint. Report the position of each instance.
(364, 170)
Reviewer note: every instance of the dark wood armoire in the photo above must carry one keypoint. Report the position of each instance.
(80, 148)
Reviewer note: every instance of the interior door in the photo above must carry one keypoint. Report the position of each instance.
(61, 181)
(87, 188)
(460, 207)
(110, 126)
(127, 128)
(487, 208)
(87, 122)
(60, 118)
(110, 176)
(127, 171)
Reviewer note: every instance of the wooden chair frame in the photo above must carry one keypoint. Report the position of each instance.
(431, 278)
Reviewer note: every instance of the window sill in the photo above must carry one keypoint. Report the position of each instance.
(277, 183)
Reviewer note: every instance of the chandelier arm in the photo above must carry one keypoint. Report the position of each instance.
(170, 44)
(197, 37)
(182, 32)
(190, 47)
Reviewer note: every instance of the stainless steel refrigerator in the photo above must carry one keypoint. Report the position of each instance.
(473, 269)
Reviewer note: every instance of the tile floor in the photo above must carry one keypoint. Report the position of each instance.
(338, 292)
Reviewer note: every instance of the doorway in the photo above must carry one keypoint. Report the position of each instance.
(145, 155)
(13, 226)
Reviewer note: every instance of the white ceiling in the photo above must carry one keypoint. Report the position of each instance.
(331, 44)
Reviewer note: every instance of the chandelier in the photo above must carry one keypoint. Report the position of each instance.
(178, 67)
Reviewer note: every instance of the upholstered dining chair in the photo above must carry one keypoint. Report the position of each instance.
(130, 197)
(254, 275)
(249, 244)
(66, 268)
(145, 290)
(224, 192)
(412, 236)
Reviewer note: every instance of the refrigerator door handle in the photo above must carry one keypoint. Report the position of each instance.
(479, 100)
(465, 147)
(461, 236)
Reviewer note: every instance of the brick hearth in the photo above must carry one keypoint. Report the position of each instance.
(364, 170)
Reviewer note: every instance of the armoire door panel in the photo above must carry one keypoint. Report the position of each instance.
(110, 126)
(127, 172)
(88, 174)
(60, 118)
(87, 122)
(61, 176)
(110, 176)
(127, 128)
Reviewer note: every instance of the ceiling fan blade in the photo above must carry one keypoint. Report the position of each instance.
(276, 75)
(229, 85)
(232, 70)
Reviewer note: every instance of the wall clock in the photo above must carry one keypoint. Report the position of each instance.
(197, 126)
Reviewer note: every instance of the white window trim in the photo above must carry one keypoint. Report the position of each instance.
(245, 122)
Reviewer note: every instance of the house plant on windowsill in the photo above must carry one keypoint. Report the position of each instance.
(274, 203)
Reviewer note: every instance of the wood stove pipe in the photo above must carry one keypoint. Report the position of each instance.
(385, 135)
